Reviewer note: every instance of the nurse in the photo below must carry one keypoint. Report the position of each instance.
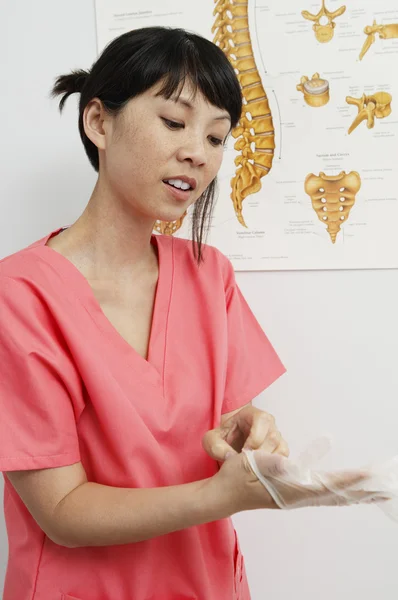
(128, 361)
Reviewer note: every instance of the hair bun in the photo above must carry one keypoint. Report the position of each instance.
(69, 84)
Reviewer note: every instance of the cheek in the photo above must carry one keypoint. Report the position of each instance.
(219, 158)
(151, 148)
(136, 155)
(214, 163)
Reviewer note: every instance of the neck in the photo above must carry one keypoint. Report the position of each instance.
(107, 241)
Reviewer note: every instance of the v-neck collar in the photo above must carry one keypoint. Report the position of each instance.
(151, 368)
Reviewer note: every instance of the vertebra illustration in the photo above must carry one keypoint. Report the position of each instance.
(315, 90)
(232, 35)
(169, 227)
(377, 105)
(332, 197)
(324, 31)
(386, 32)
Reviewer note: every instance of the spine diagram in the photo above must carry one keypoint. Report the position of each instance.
(386, 32)
(324, 31)
(315, 90)
(255, 131)
(378, 105)
(332, 197)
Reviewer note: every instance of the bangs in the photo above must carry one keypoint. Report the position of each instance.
(176, 57)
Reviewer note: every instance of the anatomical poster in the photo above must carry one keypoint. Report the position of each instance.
(310, 175)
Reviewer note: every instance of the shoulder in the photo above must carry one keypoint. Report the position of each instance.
(21, 263)
(27, 281)
(32, 300)
(17, 268)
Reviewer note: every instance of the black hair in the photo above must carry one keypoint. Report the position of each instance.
(137, 60)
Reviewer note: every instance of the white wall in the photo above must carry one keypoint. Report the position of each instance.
(337, 332)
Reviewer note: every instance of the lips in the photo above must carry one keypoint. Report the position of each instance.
(177, 193)
(189, 180)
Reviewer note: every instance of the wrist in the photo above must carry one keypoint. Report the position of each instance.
(216, 499)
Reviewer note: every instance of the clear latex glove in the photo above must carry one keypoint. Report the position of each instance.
(296, 484)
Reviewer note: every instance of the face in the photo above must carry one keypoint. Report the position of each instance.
(160, 155)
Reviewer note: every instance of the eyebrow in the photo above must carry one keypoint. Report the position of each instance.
(188, 104)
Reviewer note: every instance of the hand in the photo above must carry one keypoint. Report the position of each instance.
(249, 428)
(296, 484)
(242, 489)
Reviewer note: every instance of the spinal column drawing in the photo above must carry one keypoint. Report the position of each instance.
(377, 105)
(255, 131)
(386, 32)
(324, 22)
(315, 90)
(332, 197)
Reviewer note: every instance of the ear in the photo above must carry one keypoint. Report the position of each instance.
(94, 122)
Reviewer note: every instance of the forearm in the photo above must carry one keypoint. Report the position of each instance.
(99, 515)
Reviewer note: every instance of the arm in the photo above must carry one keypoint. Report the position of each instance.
(76, 513)
(73, 512)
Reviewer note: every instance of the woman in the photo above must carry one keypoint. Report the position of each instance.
(120, 351)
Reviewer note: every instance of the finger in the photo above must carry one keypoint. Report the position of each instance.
(379, 498)
(262, 426)
(282, 449)
(272, 442)
(215, 446)
(352, 497)
(346, 479)
(340, 483)
(233, 436)
(368, 497)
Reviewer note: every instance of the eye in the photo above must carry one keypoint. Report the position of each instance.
(172, 124)
(216, 141)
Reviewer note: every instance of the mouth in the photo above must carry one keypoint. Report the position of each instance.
(180, 187)
(181, 182)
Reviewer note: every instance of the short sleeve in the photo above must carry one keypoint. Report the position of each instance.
(252, 363)
(37, 384)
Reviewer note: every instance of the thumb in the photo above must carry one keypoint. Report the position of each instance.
(216, 446)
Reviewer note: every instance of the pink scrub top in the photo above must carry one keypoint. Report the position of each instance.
(72, 389)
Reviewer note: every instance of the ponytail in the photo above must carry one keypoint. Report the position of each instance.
(69, 84)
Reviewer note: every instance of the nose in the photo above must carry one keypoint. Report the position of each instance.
(193, 150)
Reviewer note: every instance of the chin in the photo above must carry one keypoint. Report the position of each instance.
(171, 214)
